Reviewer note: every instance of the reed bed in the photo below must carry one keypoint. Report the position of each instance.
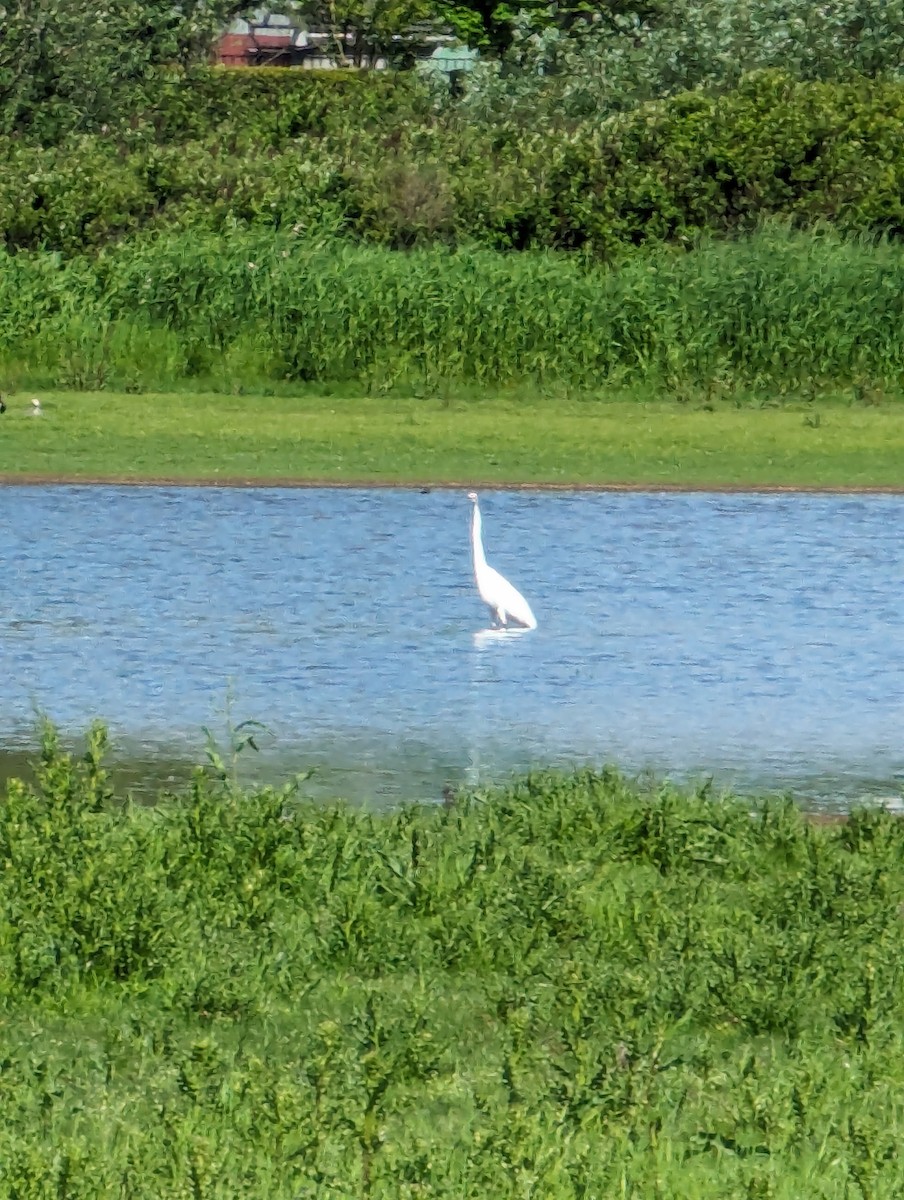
(778, 310)
(570, 987)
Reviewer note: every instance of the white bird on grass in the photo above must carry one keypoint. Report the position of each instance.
(35, 407)
(504, 601)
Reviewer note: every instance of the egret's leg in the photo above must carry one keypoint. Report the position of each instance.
(500, 613)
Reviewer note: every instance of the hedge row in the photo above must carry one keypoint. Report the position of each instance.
(666, 172)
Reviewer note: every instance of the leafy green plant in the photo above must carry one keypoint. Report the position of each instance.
(572, 983)
(779, 313)
(599, 62)
(375, 161)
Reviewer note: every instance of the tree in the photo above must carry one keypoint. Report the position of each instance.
(492, 23)
(366, 29)
(72, 64)
(590, 66)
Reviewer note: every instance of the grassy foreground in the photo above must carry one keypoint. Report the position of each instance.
(568, 988)
(500, 438)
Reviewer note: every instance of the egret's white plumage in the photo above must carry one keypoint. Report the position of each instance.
(504, 601)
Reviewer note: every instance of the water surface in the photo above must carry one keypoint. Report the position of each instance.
(754, 638)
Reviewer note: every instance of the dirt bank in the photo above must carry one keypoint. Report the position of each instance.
(241, 481)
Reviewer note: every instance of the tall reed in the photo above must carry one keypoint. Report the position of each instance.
(778, 309)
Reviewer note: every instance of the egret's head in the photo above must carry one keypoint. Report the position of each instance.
(472, 496)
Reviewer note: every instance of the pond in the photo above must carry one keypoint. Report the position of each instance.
(754, 638)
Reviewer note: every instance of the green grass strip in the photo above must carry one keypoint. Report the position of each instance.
(501, 439)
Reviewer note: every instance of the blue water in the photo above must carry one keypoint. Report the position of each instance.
(758, 639)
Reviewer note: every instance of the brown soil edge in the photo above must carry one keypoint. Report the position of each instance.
(14, 479)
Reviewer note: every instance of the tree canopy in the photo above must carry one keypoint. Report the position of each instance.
(76, 65)
(67, 63)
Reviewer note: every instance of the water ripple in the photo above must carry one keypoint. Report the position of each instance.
(757, 638)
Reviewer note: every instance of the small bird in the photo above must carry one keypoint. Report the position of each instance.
(35, 406)
(502, 599)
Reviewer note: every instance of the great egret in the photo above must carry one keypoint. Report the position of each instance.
(504, 600)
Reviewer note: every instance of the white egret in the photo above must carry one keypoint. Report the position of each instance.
(504, 600)
(35, 407)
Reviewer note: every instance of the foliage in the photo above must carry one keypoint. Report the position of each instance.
(703, 162)
(69, 66)
(563, 988)
(667, 171)
(272, 107)
(75, 64)
(777, 311)
(362, 29)
(619, 56)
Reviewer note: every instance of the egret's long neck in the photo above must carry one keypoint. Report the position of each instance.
(476, 541)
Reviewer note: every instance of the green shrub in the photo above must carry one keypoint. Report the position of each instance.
(669, 170)
(546, 989)
(665, 172)
(270, 106)
(590, 68)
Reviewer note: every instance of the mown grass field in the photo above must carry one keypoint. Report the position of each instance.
(501, 438)
(570, 988)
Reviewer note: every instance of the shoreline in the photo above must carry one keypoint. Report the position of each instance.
(36, 479)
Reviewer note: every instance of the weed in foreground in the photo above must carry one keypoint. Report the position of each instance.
(564, 988)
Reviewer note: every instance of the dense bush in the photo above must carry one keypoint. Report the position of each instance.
(567, 988)
(664, 172)
(75, 65)
(720, 163)
(76, 68)
(270, 106)
(628, 54)
(776, 310)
